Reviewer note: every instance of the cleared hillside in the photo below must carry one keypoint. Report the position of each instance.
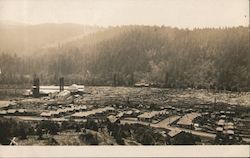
(25, 39)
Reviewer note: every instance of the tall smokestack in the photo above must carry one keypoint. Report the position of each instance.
(61, 84)
(36, 87)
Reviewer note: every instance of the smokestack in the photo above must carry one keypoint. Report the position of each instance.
(36, 87)
(61, 84)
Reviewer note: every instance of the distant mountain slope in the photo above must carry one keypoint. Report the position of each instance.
(24, 39)
(164, 56)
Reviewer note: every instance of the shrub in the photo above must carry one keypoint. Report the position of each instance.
(89, 139)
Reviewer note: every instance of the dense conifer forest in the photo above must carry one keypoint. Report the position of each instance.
(210, 58)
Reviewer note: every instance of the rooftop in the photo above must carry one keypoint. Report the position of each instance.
(92, 112)
(112, 118)
(21, 110)
(45, 114)
(220, 129)
(152, 114)
(188, 119)
(10, 111)
(174, 132)
(221, 122)
(120, 114)
(3, 112)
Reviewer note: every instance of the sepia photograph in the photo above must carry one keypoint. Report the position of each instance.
(124, 73)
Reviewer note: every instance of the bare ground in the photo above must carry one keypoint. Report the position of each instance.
(162, 96)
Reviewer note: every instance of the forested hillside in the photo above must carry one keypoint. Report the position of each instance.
(167, 57)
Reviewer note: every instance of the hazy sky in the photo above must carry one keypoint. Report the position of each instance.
(179, 13)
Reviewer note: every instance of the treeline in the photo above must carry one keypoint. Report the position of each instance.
(163, 56)
(46, 130)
